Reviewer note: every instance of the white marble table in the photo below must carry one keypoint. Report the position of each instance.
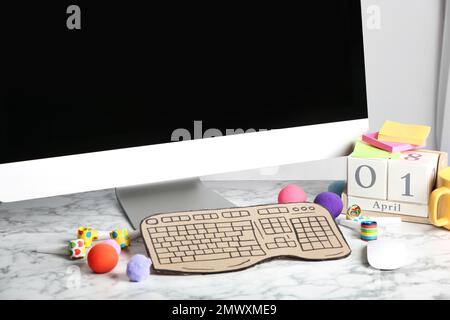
(27, 275)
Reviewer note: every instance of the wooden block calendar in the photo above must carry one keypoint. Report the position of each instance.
(394, 187)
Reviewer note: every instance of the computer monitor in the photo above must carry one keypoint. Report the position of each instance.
(133, 95)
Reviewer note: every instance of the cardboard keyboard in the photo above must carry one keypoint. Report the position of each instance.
(221, 240)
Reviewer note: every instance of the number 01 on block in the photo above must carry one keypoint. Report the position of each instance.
(401, 186)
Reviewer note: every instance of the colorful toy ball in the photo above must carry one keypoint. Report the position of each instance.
(88, 235)
(331, 201)
(114, 244)
(121, 236)
(354, 212)
(77, 250)
(102, 258)
(292, 193)
(138, 268)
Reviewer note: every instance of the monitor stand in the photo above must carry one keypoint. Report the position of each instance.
(139, 202)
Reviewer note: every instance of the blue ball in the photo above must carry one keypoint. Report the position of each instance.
(331, 201)
(337, 187)
(138, 268)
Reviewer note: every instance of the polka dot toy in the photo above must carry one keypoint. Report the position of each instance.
(102, 258)
(77, 249)
(88, 235)
(121, 237)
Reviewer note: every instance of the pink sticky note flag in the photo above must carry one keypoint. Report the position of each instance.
(372, 139)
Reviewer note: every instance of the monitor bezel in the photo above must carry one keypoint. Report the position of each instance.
(177, 160)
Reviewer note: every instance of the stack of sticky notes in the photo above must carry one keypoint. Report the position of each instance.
(404, 133)
(393, 138)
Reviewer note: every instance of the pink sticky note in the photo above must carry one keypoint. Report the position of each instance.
(372, 139)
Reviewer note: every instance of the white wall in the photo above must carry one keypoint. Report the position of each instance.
(402, 61)
(402, 43)
(443, 104)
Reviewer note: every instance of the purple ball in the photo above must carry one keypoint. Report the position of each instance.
(138, 268)
(331, 201)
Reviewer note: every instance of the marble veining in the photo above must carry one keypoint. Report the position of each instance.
(27, 225)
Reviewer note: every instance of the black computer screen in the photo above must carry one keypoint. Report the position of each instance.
(133, 74)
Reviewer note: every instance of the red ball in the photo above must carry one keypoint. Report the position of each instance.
(102, 258)
(292, 193)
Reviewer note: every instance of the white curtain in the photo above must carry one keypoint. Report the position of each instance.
(443, 101)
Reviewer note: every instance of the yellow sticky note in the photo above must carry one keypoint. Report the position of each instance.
(404, 133)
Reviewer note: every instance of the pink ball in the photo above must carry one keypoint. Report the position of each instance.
(114, 244)
(292, 193)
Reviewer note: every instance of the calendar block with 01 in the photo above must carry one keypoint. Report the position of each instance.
(398, 187)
